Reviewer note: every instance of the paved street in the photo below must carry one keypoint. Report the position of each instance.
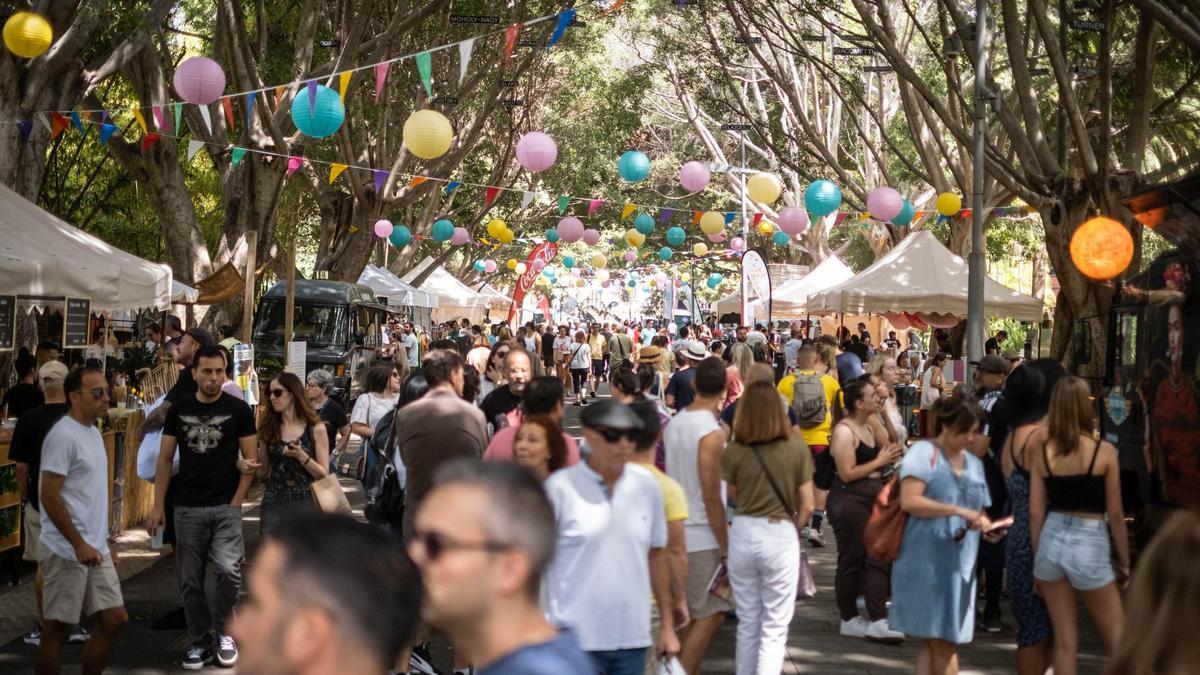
(814, 645)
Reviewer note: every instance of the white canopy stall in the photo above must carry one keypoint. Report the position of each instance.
(398, 293)
(789, 300)
(456, 300)
(498, 303)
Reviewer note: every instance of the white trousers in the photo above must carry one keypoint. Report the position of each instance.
(764, 568)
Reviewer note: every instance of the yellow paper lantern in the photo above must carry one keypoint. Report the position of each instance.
(428, 134)
(634, 238)
(520, 268)
(766, 228)
(511, 264)
(599, 261)
(764, 187)
(653, 283)
(496, 228)
(700, 249)
(948, 204)
(506, 236)
(712, 222)
(579, 283)
(1101, 248)
(27, 35)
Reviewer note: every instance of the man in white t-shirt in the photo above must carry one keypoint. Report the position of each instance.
(80, 577)
(791, 349)
(612, 534)
(695, 442)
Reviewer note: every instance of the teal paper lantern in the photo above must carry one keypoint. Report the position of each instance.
(634, 166)
(676, 236)
(644, 223)
(568, 261)
(401, 235)
(822, 198)
(443, 230)
(480, 266)
(665, 253)
(907, 211)
(552, 235)
(319, 120)
(781, 239)
(631, 283)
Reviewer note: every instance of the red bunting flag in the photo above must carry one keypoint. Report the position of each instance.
(593, 205)
(510, 41)
(490, 195)
(149, 140)
(757, 217)
(58, 123)
(228, 107)
(841, 218)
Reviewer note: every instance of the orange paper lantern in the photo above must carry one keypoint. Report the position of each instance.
(1101, 248)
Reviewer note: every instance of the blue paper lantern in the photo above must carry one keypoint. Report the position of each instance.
(676, 236)
(480, 266)
(644, 223)
(907, 212)
(552, 235)
(400, 236)
(634, 166)
(781, 239)
(324, 118)
(443, 230)
(822, 198)
(631, 283)
(665, 253)
(568, 261)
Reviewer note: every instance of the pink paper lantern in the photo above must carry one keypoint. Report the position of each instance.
(694, 176)
(200, 80)
(536, 151)
(737, 244)
(591, 237)
(630, 256)
(460, 236)
(606, 283)
(793, 220)
(884, 203)
(717, 238)
(489, 265)
(383, 229)
(570, 230)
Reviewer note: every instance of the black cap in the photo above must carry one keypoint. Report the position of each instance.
(201, 336)
(992, 364)
(610, 415)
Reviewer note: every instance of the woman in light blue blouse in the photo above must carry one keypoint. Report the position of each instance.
(943, 491)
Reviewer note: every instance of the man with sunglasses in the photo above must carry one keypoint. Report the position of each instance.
(77, 565)
(612, 534)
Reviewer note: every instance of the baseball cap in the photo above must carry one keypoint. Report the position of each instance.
(1012, 355)
(610, 415)
(52, 375)
(992, 364)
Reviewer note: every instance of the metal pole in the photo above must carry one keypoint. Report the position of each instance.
(975, 262)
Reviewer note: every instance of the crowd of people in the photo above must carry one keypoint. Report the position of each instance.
(715, 459)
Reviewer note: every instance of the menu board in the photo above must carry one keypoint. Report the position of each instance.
(8, 322)
(75, 323)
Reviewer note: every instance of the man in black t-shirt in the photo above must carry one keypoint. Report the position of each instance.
(24, 395)
(210, 427)
(501, 408)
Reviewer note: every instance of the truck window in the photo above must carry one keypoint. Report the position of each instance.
(318, 325)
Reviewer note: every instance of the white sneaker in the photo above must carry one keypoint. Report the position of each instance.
(855, 628)
(812, 536)
(879, 631)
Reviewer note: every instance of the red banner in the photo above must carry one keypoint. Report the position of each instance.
(539, 257)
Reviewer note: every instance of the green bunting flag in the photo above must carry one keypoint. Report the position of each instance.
(425, 68)
(236, 156)
(563, 200)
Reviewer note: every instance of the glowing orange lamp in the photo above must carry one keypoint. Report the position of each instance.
(1101, 248)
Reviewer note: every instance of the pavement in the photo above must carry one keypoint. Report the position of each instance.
(814, 645)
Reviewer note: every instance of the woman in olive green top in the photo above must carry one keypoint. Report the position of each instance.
(764, 549)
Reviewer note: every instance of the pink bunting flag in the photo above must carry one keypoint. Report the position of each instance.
(490, 195)
(294, 163)
(841, 218)
(510, 41)
(593, 205)
(159, 120)
(380, 179)
(381, 71)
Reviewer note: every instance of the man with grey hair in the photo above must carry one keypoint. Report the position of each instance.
(484, 536)
(318, 384)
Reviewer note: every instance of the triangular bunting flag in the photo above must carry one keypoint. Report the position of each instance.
(526, 199)
(278, 95)
(58, 123)
(490, 195)
(335, 171)
(728, 217)
(380, 77)
(141, 120)
(45, 122)
(452, 187)
(236, 155)
(149, 140)
(464, 58)
(206, 116)
(106, 131)
(294, 163)
(353, 230)
(194, 147)
(343, 83)
(841, 218)
(593, 205)
(425, 70)
(696, 216)
(159, 121)
(564, 19)
(77, 122)
(665, 215)
(27, 127)
(228, 107)
(380, 178)
(627, 211)
(757, 217)
(312, 97)
(510, 41)
(103, 116)
(563, 200)
(250, 110)
(417, 180)
(177, 128)
(617, 5)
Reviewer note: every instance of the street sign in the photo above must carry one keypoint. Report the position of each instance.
(473, 18)
(853, 51)
(1093, 26)
(811, 37)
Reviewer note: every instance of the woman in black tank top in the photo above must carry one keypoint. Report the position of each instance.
(1073, 488)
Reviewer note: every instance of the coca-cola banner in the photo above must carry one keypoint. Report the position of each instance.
(539, 257)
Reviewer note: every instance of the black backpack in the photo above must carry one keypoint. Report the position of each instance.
(384, 495)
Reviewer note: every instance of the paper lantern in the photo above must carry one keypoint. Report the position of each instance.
(510, 264)
(630, 256)
(633, 166)
(793, 220)
(28, 35)
(764, 187)
(319, 120)
(428, 134)
(570, 230)
(548, 273)
(200, 80)
(676, 236)
(712, 222)
(631, 283)
(591, 237)
(644, 223)
(443, 230)
(568, 261)
(460, 236)
(383, 229)
(737, 244)
(506, 236)
(634, 238)
(480, 266)
(700, 249)
(782, 239)
(489, 265)
(717, 238)
(536, 151)
(665, 253)
(599, 261)
(948, 204)
(520, 268)
(400, 236)
(496, 227)
(822, 198)
(765, 228)
(907, 212)
(552, 235)
(1101, 248)
(884, 203)
(694, 176)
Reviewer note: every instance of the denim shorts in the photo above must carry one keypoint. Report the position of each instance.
(1076, 549)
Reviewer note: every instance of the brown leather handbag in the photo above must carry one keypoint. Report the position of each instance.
(885, 528)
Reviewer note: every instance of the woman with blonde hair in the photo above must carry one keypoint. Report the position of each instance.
(933, 382)
(885, 367)
(1075, 488)
(296, 447)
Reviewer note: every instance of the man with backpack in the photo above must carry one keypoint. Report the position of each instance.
(620, 349)
(811, 391)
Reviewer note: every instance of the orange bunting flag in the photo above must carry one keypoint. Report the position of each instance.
(335, 171)
(490, 195)
(278, 95)
(141, 120)
(627, 211)
(696, 216)
(343, 82)
(228, 111)
(617, 5)
(417, 180)
(510, 41)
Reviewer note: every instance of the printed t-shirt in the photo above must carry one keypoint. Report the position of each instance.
(208, 435)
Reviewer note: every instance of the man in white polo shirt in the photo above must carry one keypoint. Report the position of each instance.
(610, 553)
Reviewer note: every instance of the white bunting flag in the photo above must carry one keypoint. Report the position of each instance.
(464, 58)
(207, 117)
(45, 121)
(526, 199)
(194, 147)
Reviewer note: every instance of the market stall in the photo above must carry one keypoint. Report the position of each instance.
(456, 300)
(418, 304)
(498, 303)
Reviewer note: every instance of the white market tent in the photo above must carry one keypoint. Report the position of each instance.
(398, 292)
(44, 257)
(456, 300)
(921, 275)
(182, 294)
(497, 301)
(789, 300)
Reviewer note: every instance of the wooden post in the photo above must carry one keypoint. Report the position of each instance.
(248, 293)
(289, 308)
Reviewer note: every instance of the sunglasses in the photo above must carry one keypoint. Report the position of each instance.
(614, 435)
(276, 393)
(436, 544)
(97, 393)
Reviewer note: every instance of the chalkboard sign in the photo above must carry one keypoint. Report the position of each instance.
(75, 323)
(8, 322)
